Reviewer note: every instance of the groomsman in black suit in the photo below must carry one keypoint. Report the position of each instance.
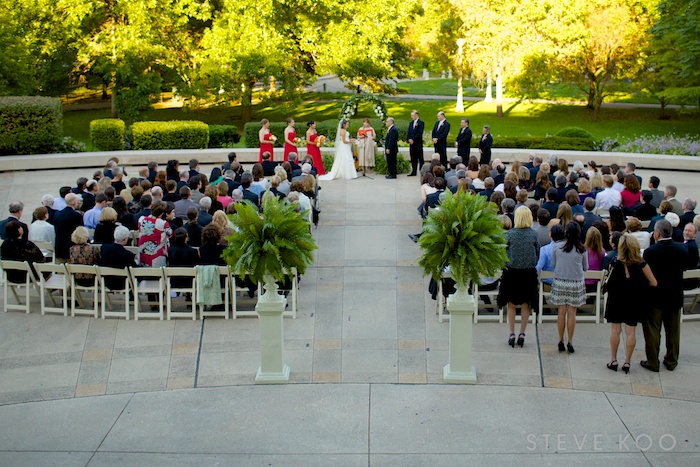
(485, 146)
(464, 140)
(391, 145)
(415, 140)
(440, 132)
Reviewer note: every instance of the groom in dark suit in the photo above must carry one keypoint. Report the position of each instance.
(415, 140)
(440, 132)
(391, 145)
(464, 141)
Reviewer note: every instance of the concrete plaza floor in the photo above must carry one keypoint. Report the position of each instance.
(366, 354)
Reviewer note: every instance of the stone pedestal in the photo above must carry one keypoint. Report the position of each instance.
(270, 308)
(459, 369)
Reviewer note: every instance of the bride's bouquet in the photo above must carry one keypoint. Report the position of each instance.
(320, 141)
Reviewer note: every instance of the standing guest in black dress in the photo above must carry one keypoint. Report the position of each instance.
(627, 303)
(519, 282)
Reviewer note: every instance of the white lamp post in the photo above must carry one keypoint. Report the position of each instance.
(460, 100)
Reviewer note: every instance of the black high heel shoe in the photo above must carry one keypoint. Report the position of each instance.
(561, 346)
(613, 366)
(626, 367)
(570, 347)
(521, 339)
(511, 340)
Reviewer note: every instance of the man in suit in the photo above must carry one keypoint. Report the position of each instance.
(16, 208)
(66, 222)
(440, 132)
(415, 141)
(114, 255)
(689, 205)
(588, 216)
(391, 145)
(152, 171)
(550, 203)
(246, 180)
(670, 194)
(204, 218)
(536, 162)
(654, 183)
(464, 140)
(667, 260)
(185, 203)
(227, 165)
(268, 165)
(194, 168)
(485, 144)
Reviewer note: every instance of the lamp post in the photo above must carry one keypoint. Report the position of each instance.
(460, 100)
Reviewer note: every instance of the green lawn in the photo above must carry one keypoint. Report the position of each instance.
(521, 118)
(560, 91)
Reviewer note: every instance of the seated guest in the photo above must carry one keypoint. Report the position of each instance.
(203, 217)
(604, 230)
(664, 208)
(124, 217)
(564, 215)
(310, 160)
(508, 208)
(611, 256)
(550, 203)
(260, 183)
(427, 186)
(83, 253)
(634, 227)
(609, 197)
(284, 186)
(211, 250)
(114, 255)
(670, 194)
(212, 192)
(47, 202)
(308, 186)
(500, 176)
(616, 222)
(146, 202)
(17, 248)
(92, 217)
(524, 180)
(560, 183)
(541, 185)
(596, 184)
(544, 263)
(689, 205)
(573, 180)
(185, 203)
(171, 192)
(134, 205)
(41, 230)
(183, 180)
(488, 188)
(478, 182)
(195, 185)
(588, 216)
(274, 187)
(584, 190)
(295, 168)
(181, 254)
(675, 220)
(16, 208)
(658, 195)
(268, 166)
(154, 232)
(104, 231)
(520, 199)
(631, 195)
(690, 235)
(497, 198)
(221, 221)
(223, 197)
(246, 180)
(596, 255)
(574, 201)
(542, 227)
(645, 211)
(193, 228)
(216, 176)
(619, 179)
(66, 222)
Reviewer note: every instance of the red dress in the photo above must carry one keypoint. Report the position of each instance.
(315, 152)
(269, 147)
(288, 147)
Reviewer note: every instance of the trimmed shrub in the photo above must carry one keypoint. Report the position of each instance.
(573, 132)
(108, 134)
(541, 142)
(176, 134)
(402, 165)
(223, 136)
(30, 125)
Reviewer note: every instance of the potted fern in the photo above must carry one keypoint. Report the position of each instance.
(466, 235)
(266, 247)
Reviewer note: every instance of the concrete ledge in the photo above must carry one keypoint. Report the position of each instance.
(250, 156)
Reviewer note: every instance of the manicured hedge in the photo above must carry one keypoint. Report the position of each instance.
(176, 134)
(30, 125)
(223, 136)
(542, 142)
(574, 132)
(108, 134)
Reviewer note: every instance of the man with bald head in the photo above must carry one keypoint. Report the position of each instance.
(67, 220)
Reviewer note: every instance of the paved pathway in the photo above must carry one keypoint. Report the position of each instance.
(180, 392)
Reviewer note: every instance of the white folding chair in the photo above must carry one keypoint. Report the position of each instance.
(76, 288)
(597, 294)
(493, 296)
(695, 293)
(225, 291)
(440, 300)
(148, 281)
(104, 273)
(57, 280)
(236, 288)
(47, 246)
(181, 273)
(293, 292)
(29, 283)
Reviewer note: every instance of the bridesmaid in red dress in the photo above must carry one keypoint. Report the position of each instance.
(313, 150)
(290, 135)
(267, 139)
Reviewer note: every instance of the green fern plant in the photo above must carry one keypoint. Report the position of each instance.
(270, 243)
(466, 234)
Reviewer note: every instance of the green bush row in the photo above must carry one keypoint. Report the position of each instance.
(542, 142)
(223, 136)
(30, 125)
(108, 134)
(176, 134)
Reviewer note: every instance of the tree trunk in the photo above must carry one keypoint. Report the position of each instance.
(499, 94)
(664, 103)
(247, 103)
(591, 94)
(114, 112)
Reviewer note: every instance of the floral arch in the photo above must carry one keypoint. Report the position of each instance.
(350, 106)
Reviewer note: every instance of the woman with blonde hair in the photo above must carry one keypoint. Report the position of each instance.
(104, 230)
(84, 253)
(519, 281)
(584, 190)
(596, 184)
(221, 221)
(284, 183)
(222, 194)
(634, 228)
(563, 167)
(627, 291)
(564, 215)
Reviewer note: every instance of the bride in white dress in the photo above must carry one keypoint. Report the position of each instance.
(343, 164)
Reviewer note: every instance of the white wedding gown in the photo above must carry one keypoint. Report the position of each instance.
(343, 164)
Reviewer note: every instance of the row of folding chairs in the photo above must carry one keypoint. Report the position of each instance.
(492, 312)
(140, 286)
